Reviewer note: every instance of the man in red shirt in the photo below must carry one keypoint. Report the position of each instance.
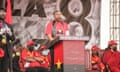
(54, 29)
(111, 57)
(61, 27)
(33, 60)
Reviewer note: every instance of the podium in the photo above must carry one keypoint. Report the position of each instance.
(70, 50)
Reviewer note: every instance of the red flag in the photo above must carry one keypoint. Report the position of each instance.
(8, 13)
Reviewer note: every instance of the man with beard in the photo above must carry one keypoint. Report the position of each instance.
(54, 29)
(6, 37)
(111, 57)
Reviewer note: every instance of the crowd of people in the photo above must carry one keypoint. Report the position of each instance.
(28, 59)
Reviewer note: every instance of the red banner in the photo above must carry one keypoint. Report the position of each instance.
(8, 13)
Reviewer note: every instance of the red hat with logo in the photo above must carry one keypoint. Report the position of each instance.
(30, 43)
(112, 42)
(1, 53)
(95, 48)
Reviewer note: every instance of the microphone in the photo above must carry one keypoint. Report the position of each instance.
(62, 18)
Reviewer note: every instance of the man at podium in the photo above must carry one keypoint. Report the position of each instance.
(55, 28)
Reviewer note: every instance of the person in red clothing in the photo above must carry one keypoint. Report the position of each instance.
(61, 27)
(33, 60)
(111, 57)
(96, 60)
(57, 27)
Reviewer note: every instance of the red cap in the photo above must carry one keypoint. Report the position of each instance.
(30, 43)
(1, 53)
(112, 42)
(95, 48)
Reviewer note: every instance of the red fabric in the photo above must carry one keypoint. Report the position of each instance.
(59, 26)
(9, 13)
(30, 42)
(58, 52)
(98, 62)
(26, 53)
(113, 60)
(115, 69)
(1, 53)
(95, 59)
(43, 47)
(21, 60)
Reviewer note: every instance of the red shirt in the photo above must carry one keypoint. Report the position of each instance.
(59, 26)
(58, 51)
(26, 53)
(112, 59)
(97, 60)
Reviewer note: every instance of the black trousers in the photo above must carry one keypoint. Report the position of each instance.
(4, 64)
(37, 69)
(6, 61)
(15, 63)
(53, 67)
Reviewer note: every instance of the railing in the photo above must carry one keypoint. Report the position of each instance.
(115, 21)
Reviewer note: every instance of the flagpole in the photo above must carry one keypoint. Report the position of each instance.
(9, 21)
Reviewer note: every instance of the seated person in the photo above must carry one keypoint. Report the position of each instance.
(95, 60)
(111, 57)
(33, 60)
